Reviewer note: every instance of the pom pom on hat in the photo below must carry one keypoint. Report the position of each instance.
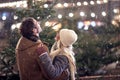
(68, 37)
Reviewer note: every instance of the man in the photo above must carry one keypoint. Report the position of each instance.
(27, 60)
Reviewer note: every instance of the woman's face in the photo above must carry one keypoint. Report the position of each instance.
(57, 37)
(37, 29)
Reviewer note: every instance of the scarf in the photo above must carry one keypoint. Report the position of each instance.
(32, 37)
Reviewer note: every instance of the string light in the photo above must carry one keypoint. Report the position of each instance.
(59, 16)
(92, 2)
(93, 23)
(17, 4)
(15, 26)
(85, 3)
(80, 25)
(105, 1)
(86, 27)
(4, 17)
(98, 2)
(65, 4)
(45, 5)
(47, 24)
(103, 13)
(71, 14)
(38, 17)
(92, 14)
(116, 10)
(78, 3)
(115, 23)
(59, 5)
(15, 17)
(86, 24)
(82, 14)
(25, 5)
(14, 4)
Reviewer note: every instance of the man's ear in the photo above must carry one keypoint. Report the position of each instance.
(35, 31)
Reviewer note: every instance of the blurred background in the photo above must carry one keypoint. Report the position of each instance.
(97, 23)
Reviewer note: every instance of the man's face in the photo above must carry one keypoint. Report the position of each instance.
(37, 28)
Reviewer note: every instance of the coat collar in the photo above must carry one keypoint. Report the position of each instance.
(25, 43)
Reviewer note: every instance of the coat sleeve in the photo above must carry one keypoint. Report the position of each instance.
(53, 69)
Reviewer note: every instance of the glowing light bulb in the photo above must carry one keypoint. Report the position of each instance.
(59, 16)
(82, 14)
(71, 14)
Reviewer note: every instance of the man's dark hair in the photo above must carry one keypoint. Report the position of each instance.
(27, 26)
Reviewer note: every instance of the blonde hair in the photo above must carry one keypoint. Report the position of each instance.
(66, 51)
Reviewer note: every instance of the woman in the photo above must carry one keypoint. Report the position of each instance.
(61, 61)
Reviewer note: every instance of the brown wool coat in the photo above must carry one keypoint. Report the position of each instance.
(27, 60)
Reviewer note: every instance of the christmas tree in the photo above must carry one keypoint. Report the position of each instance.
(96, 47)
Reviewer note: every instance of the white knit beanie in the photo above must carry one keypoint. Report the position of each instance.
(68, 37)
